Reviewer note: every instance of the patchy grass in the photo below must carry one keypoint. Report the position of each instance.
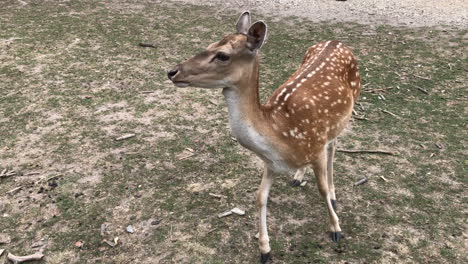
(73, 78)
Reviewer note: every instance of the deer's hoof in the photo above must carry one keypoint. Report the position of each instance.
(264, 257)
(295, 183)
(333, 202)
(335, 236)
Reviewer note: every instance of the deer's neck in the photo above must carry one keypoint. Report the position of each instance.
(247, 119)
(243, 101)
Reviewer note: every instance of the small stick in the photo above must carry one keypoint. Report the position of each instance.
(127, 136)
(21, 259)
(360, 118)
(371, 151)
(377, 90)
(213, 103)
(146, 92)
(219, 196)
(390, 113)
(383, 178)
(13, 191)
(421, 89)
(361, 181)
(32, 173)
(186, 157)
(421, 77)
(147, 45)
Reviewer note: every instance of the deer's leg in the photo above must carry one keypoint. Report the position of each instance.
(299, 177)
(320, 171)
(262, 198)
(330, 157)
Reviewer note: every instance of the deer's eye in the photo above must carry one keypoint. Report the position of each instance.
(222, 56)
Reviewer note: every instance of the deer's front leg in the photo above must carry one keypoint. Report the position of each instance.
(262, 198)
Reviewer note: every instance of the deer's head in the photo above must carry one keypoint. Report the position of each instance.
(223, 63)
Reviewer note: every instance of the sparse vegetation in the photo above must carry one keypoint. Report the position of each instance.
(73, 78)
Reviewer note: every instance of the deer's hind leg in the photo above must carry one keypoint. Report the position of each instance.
(320, 171)
(331, 186)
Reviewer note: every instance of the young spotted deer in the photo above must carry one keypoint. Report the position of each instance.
(298, 125)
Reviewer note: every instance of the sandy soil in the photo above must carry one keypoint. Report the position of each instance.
(414, 13)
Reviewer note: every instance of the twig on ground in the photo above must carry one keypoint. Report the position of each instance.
(21, 259)
(421, 77)
(219, 196)
(32, 173)
(186, 157)
(360, 118)
(6, 173)
(361, 181)
(146, 92)
(212, 102)
(370, 151)
(390, 113)
(421, 89)
(147, 45)
(383, 178)
(13, 191)
(378, 90)
(127, 136)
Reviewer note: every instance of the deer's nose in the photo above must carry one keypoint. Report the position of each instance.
(172, 72)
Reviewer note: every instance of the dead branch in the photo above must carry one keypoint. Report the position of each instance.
(377, 90)
(7, 173)
(127, 136)
(370, 151)
(383, 178)
(361, 181)
(360, 118)
(390, 113)
(31, 173)
(219, 196)
(21, 259)
(421, 89)
(421, 77)
(147, 45)
(13, 191)
(186, 157)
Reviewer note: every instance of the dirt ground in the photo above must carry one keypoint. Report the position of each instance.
(417, 13)
(73, 81)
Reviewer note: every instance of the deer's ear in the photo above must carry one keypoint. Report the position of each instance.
(256, 35)
(243, 23)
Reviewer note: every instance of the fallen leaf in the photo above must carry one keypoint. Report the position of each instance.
(79, 244)
(130, 229)
(4, 238)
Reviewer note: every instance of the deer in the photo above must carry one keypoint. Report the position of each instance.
(298, 125)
